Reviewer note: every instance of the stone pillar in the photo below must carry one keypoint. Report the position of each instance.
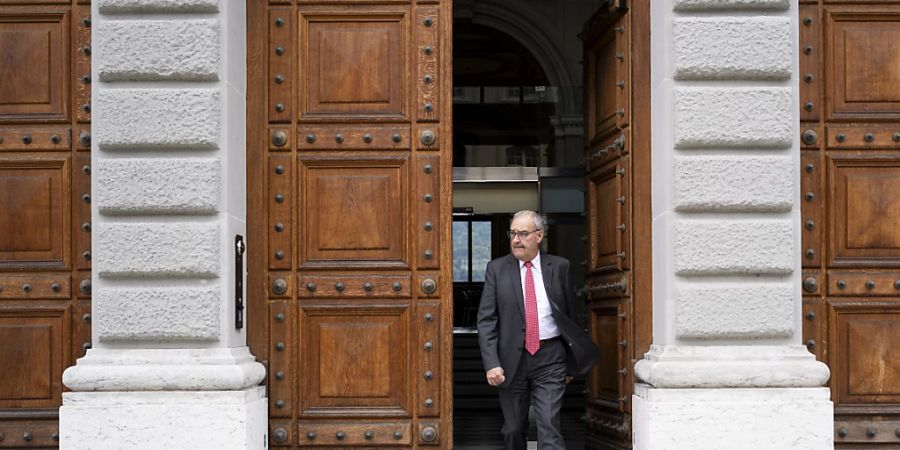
(168, 368)
(727, 368)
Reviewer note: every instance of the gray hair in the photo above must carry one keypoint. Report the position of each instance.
(536, 219)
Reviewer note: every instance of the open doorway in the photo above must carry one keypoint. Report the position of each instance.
(353, 301)
(542, 120)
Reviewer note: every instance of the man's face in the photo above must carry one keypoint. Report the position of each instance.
(525, 248)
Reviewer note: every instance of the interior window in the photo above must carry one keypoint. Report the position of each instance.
(471, 249)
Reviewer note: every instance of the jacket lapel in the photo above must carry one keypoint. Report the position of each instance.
(547, 275)
(515, 278)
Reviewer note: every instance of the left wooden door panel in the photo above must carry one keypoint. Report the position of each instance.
(45, 243)
(349, 182)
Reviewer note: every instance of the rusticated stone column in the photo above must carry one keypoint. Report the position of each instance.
(168, 368)
(727, 368)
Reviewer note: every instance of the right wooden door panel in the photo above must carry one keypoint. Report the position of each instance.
(850, 182)
(617, 286)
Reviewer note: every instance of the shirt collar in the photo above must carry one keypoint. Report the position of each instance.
(535, 263)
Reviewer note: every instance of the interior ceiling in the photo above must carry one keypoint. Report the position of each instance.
(483, 56)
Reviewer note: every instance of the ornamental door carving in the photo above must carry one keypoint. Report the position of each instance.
(850, 197)
(45, 228)
(349, 220)
(617, 158)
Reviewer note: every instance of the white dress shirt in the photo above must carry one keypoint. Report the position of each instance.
(546, 324)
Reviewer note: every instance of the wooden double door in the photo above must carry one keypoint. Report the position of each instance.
(45, 217)
(349, 190)
(349, 193)
(350, 176)
(850, 188)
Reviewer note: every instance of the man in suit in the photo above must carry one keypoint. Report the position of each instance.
(530, 345)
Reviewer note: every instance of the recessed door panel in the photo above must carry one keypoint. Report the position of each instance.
(32, 357)
(354, 63)
(863, 78)
(865, 209)
(34, 50)
(34, 228)
(356, 210)
(867, 334)
(355, 359)
(604, 379)
(601, 74)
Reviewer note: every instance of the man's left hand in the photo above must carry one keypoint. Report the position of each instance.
(569, 379)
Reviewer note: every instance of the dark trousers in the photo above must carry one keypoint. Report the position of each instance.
(540, 380)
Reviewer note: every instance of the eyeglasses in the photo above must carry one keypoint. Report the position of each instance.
(521, 234)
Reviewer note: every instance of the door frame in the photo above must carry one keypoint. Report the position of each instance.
(257, 328)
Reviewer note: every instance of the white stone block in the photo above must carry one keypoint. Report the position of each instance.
(682, 5)
(729, 311)
(157, 119)
(732, 48)
(157, 314)
(734, 419)
(721, 247)
(140, 50)
(734, 183)
(170, 249)
(165, 369)
(158, 186)
(219, 420)
(157, 6)
(728, 366)
(733, 117)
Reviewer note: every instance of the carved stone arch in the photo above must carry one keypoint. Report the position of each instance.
(530, 29)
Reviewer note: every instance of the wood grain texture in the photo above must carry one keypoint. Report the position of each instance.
(355, 359)
(34, 364)
(428, 100)
(281, 64)
(34, 46)
(348, 218)
(813, 212)
(34, 231)
(354, 210)
(810, 63)
(864, 332)
(281, 374)
(619, 245)
(354, 62)
(852, 55)
(863, 81)
(349, 433)
(864, 210)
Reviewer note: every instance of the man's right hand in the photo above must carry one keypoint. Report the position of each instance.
(495, 376)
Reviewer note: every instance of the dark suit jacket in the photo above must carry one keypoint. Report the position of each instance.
(501, 316)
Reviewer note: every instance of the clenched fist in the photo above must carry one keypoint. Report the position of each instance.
(495, 376)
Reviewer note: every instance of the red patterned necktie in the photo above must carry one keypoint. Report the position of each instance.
(532, 331)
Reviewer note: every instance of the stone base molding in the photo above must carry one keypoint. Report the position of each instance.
(164, 420)
(204, 369)
(756, 418)
(731, 366)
